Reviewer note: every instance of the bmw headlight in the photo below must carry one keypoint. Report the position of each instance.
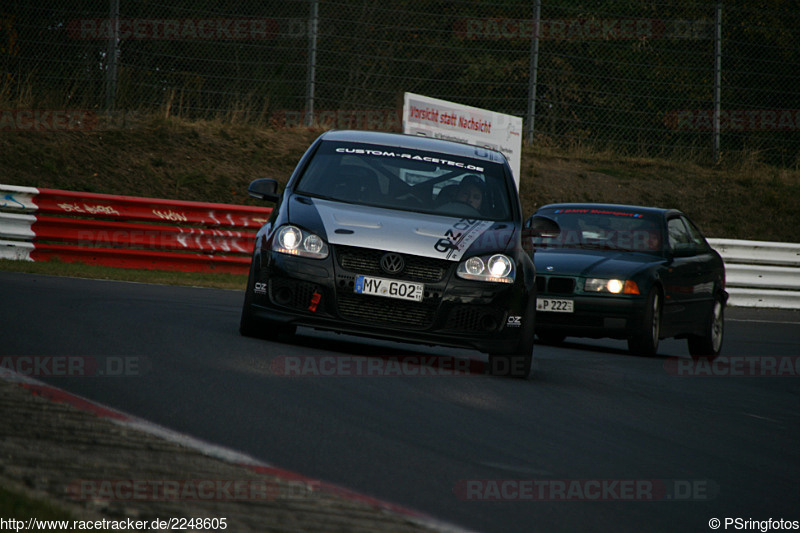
(294, 241)
(612, 286)
(497, 268)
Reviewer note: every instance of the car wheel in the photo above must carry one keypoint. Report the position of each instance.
(519, 363)
(549, 337)
(251, 326)
(645, 341)
(709, 344)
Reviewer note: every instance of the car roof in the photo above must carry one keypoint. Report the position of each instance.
(658, 211)
(415, 142)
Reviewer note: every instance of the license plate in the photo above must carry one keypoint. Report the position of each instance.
(391, 288)
(554, 305)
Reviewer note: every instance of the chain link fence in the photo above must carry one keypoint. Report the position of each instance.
(670, 78)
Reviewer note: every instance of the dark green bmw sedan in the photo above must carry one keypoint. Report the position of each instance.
(636, 273)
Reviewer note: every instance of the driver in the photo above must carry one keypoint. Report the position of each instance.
(470, 191)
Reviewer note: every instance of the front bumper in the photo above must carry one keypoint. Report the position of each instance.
(594, 316)
(489, 317)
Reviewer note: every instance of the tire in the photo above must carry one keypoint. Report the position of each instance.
(518, 364)
(709, 344)
(251, 326)
(645, 341)
(549, 337)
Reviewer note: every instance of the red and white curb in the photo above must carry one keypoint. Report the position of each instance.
(228, 455)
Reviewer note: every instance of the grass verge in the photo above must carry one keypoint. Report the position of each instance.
(160, 277)
(16, 505)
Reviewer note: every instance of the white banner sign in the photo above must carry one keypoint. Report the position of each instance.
(441, 119)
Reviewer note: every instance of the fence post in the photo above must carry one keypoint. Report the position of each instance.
(112, 55)
(534, 69)
(313, 24)
(717, 77)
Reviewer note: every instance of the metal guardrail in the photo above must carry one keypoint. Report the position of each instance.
(761, 274)
(126, 231)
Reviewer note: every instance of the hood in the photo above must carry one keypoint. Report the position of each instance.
(409, 232)
(591, 262)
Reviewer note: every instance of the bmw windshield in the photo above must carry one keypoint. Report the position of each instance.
(605, 229)
(411, 180)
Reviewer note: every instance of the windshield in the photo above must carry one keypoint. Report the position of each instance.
(411, 180)
(602, 228)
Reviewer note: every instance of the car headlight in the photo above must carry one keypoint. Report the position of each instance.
(613, 286)
(497, 268)
(294, 241)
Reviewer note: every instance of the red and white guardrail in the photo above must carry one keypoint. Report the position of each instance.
(127, 231)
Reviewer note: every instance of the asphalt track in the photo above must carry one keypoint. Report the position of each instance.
(597, 440)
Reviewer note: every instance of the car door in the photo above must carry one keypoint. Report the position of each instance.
(707, 275)
(688, 279)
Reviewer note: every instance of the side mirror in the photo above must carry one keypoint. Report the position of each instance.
(264, 189)
(541, 226)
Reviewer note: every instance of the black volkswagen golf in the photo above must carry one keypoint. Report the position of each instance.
(397, 237)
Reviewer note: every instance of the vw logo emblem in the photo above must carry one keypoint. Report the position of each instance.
(392, 263)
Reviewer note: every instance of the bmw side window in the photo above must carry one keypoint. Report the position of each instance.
(678, 234)
(694, 234)
(684, 241)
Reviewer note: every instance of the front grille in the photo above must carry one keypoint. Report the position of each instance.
(541, 284)
(382, 311)
(368, 261)
(556, 285)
